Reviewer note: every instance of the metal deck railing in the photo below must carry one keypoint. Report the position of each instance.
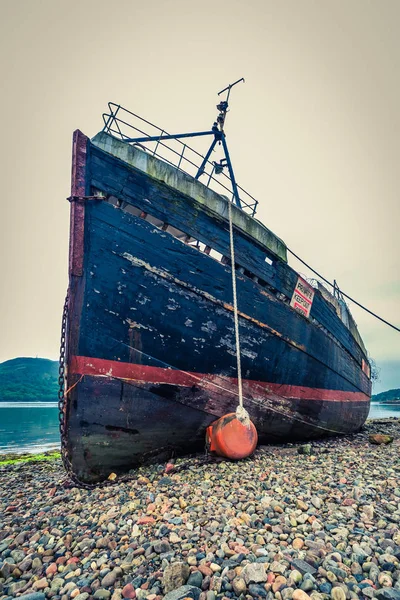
(126, 125)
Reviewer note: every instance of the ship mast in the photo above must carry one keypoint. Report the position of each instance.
(218, 133)
(219, 136)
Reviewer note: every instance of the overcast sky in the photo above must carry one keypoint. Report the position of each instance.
(314, 134)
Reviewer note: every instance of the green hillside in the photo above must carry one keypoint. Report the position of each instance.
(29, 380)
(389, 396)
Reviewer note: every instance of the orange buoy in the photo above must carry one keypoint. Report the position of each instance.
(230, 438)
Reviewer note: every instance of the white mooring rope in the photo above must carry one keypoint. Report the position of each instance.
(241, 412)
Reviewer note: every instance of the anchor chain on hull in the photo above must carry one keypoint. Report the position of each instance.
(62, 396)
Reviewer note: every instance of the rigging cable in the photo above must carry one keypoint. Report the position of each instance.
(343, 293)
(241, 412)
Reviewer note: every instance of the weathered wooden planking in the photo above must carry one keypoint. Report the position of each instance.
(119, 288)
(167, 205)
(164, 203)
(132, 313)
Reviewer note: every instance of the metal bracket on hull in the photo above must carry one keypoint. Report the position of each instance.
(83, 199)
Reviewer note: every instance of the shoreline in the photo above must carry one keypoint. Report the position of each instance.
(23, 452)
(317, 521)
(15, 457)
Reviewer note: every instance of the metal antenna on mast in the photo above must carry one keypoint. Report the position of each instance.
(219, 136)
(223, 106)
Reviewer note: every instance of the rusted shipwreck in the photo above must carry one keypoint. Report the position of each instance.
(148, 324)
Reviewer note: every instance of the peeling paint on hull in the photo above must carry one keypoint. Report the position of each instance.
(151, 351)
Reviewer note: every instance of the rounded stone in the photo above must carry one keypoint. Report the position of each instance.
(279, 583)
(195, 579)
(239, 585)
(295, 576)
(300, 595)
(338, 593)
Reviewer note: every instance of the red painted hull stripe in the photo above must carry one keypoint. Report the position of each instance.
(83, 365)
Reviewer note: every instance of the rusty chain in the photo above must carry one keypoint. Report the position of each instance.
(61, 388)
(61, 367)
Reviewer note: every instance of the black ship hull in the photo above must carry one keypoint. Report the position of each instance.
(150, 333)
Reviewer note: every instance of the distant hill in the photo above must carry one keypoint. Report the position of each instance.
(391, 396)
(29, 380)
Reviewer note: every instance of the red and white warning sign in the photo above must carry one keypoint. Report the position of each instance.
(303, 297)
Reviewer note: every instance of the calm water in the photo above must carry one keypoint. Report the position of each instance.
(28, 426)
(33, 427)
(383, 411)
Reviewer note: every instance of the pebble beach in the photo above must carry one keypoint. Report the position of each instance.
(296, 521)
